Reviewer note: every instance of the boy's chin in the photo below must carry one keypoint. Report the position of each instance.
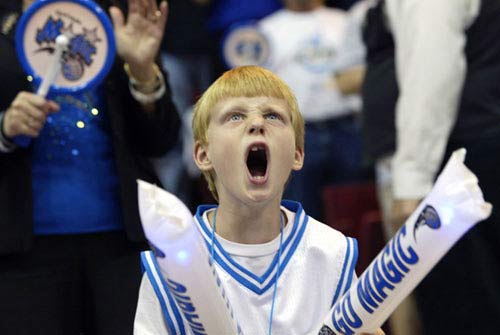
(262, 195)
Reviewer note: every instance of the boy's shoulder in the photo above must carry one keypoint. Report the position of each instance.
(331, 253)
(317, 233)
(323, 236)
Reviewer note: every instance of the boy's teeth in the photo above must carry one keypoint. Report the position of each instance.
(255, 148)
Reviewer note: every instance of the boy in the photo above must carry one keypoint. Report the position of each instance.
(281, 269)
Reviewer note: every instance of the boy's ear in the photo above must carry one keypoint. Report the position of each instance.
(298, 161)
(201, 158)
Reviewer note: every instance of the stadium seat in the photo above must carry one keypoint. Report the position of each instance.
(353, 210)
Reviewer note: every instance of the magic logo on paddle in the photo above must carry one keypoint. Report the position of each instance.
(82, 46)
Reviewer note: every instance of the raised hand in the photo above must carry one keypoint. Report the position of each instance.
(138, 36)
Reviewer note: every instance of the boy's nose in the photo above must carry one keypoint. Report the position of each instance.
(257, 125)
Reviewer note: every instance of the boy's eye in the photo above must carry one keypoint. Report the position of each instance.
(235, 117)
(273, 116)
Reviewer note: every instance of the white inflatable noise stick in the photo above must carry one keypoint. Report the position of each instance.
(454, 205)
(184, 262)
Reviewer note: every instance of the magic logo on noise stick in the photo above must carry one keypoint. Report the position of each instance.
(386, 272)
(406, 259)
(428, 217)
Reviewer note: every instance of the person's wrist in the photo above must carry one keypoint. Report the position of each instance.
(2, 126)
(144, 78)
(146, 92)
(6, 144)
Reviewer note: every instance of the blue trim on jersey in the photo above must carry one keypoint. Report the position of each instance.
(296, 241)
(290, 252)
(152, 268)
(260, 279)
(353, 264)
(229, 264)
(351, 256)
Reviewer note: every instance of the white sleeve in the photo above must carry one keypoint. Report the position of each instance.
(430, 66)
(149, 318)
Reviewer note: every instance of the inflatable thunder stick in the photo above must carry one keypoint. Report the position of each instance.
(184, 262)
(452, 207)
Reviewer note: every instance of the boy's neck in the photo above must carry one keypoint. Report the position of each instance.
(248, 225)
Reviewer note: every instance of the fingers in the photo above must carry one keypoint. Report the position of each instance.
(139, 34)
(116, 17)
(150, 10)
(144, 8)
(147, 9)
(134, 6)
(159, 16)
(27, 115)
(152, 6)
(164, 13)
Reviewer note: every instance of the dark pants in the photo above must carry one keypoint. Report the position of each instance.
(71, 284)
(461, 295)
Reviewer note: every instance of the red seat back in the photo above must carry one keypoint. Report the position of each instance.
(353, 209)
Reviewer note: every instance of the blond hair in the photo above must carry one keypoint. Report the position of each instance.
(244, 81)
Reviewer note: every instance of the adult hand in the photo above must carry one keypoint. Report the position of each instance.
(401, 210)
(27, 114)
(138, 37)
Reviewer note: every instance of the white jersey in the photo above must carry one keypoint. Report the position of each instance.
(316, 268)
(306, 50)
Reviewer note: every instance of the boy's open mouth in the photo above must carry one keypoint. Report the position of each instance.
(257, 162)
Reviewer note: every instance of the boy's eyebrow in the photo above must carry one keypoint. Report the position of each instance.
(237, 106)
(228, 110)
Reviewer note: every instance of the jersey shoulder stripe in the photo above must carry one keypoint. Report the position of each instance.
(347, 274)
(171, 312)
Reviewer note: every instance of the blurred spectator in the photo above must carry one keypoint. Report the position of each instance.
(70, 232)
(447, 63)
(306, 40)
(380, 93)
